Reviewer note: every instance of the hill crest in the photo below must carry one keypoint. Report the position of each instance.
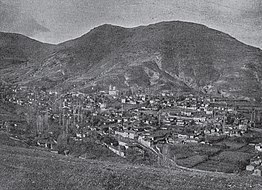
(171, 55)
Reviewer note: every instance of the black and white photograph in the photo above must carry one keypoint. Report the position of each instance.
(130, 94)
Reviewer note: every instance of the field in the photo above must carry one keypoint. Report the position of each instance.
(225, 156)
(218, 166)
(191, 161)
(230, 144)
(28, 169)
(181, 151)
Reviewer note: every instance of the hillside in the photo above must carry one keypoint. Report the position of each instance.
(20, 56)
(168, 55)
(23, 168)
(176, 55)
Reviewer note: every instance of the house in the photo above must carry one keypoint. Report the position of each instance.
(250, 167)
(116, 151)
(186, 113)
(242, 127)
(258, 147)
(144, 141)
(183, 137)
(199, 119)
(131, 135)
(126, 134)
(124, 144)
(112, 91)
(103, 107)
(256, 162)
(180, 122)
(191, 141)
(171, 140)
(46, 143)
(257, 171)
(209, 112)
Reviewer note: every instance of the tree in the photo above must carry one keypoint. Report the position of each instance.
(230, 120)
(62, 142)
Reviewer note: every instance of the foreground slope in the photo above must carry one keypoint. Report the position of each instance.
(23, 168)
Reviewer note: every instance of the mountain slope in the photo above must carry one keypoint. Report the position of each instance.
(19, 55)
(168, 55)
(176, 55)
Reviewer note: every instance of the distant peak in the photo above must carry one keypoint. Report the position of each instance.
(108, 26)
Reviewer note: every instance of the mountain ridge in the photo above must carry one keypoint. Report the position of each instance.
(172, 55)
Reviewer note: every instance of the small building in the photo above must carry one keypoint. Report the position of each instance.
(126, 134)
(145, 142)
(112, 91)
(209, 112)
(242, 127)
(250, 168)
(180, 122)
(117, 151)
(103, 107)
(46, 143)
(257, 172)
(183, 137)
(258, 147)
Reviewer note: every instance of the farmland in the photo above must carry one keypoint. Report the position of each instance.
(225, 156)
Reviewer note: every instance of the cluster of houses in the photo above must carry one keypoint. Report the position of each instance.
(255, 166)
(140, 117)
(143, 114)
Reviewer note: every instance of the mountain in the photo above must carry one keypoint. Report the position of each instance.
(19, 55)
(13, 20)
(175, 55)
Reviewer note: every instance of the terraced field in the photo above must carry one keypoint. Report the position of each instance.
(30, 169)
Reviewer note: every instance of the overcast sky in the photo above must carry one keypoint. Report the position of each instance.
(67, 19)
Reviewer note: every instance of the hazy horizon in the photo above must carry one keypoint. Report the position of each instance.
(58, 21)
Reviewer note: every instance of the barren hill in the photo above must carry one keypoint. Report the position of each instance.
(174, 55)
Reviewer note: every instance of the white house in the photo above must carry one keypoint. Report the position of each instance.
(258, 147)
(112, 91)
(145, 142)
(250, 167)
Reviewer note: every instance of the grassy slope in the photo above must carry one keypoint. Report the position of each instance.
(23, 168)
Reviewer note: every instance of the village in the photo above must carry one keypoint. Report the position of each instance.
(195, 131)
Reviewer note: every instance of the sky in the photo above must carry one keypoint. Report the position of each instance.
(68, 19)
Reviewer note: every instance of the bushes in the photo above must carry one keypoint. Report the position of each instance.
(110, 140)
(62, 143)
